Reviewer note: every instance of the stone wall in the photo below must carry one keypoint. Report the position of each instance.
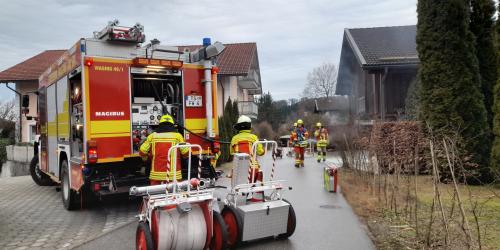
(19, 153)
(18, 161)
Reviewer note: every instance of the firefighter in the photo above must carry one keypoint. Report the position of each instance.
(321, 135)
(243, 141)
(299, 141)
(157, 145)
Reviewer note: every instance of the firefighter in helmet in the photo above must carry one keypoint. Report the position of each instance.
(157, 145)
(243, 141)
(321, 135)
(298, 139)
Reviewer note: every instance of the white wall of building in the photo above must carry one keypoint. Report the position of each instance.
(27, 126)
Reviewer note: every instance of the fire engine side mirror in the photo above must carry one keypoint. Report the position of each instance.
(26, 101)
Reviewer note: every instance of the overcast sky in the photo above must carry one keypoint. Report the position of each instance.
(292, 36)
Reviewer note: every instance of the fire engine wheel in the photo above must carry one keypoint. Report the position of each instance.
(219, 239)
(70, 198)
(292, 223)
(39, 177)
(234, 226)
(143, 237)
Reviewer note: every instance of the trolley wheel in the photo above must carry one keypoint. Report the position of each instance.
(292, 223)
(219, 239)
(234, 226)
(143, 237)
(70, 198)
(39, 177)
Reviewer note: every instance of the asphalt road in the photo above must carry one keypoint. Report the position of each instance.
(324, 220)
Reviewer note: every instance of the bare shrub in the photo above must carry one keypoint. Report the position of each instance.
(264, 130)
(409, 208)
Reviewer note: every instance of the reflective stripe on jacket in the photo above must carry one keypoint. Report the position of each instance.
(243, 142)
(158, 144)
(321, 137)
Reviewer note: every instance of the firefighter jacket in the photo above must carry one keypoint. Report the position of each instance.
(243, 142)
(299, 137)
(157, 145)
(321, 136)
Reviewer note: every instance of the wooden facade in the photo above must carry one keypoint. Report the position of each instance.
(376, 84)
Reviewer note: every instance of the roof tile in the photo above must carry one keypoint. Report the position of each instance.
(32, 68)
(387, 45)
(236, 59)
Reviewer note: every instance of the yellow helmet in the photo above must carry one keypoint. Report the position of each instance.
(300, 121)
(295, 124)
(166, 118)
(318, 124)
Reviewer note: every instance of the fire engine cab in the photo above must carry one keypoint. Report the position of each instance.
(102, 97)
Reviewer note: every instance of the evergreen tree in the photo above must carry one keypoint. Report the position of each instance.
(495, 150)
(412, 101)
(451, 99)
(226, 131)
(482, 25)
(268, 111)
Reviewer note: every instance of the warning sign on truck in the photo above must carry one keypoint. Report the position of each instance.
(194, 101)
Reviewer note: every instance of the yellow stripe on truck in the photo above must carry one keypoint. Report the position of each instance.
(110, 127)
(198, 125)
(110, 135)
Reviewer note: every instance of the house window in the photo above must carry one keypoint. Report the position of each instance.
(32, 133)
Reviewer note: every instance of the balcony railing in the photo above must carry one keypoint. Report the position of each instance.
(250, 81)
(249, 109)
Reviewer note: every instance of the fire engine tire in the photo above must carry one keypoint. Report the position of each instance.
(70, 198)
(219, 239)
(143, 237)
(234, 225)
(39, 177)
(292, 223)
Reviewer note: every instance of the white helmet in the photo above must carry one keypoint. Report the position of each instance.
(244, 119)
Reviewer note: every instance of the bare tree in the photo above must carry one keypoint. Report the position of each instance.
(7, 110)
(322, 81)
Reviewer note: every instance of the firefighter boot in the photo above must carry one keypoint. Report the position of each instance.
(297, 158)
(324, 156)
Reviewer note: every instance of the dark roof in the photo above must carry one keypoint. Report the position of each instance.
(236, 59)
(32, 68)
(384, 45)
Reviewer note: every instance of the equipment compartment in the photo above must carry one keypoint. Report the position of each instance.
(264, 219)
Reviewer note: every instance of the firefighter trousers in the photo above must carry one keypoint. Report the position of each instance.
(321, 153)
(299, 156)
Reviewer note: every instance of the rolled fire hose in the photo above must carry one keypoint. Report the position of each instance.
(181, 230)
(157, 189)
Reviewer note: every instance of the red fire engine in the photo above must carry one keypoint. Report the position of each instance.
(105, 95)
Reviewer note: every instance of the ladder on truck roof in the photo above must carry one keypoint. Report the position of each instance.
(113, 32)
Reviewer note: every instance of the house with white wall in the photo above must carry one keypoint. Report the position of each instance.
(23, 77)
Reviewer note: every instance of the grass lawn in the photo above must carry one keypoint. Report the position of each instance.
(390, 213)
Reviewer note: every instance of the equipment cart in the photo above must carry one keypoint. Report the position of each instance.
(179, 215)
(254, 208)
